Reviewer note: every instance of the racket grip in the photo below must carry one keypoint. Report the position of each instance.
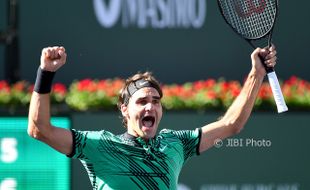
(277, 93)
(268, 69)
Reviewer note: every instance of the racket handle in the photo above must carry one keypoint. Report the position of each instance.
(276, 91)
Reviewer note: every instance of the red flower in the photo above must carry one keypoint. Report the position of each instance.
(198, 85)
(102, 85)
(59, 88)
(291, 81)
(202, 85)
(19, 86)
(265, 91)
(234, 88)
(210, 83)
(4, 86)
(110, 87)
(86, 85)
(235, 92)
(225, 86)
(211, 95)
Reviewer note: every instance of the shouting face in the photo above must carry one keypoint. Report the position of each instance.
(143, 113)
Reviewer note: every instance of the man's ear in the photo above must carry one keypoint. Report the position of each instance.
(124, 110)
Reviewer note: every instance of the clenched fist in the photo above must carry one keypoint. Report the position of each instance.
(52, 58)
(268, 55)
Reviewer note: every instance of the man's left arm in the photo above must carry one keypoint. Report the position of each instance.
(238, 113)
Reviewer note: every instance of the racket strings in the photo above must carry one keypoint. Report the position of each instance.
(251, 18)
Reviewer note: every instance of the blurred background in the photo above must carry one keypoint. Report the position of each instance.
(180, 41)
(176, 50)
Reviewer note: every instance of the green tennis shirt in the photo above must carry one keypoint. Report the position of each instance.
(126, 162)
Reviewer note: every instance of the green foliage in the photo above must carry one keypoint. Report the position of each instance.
(209, 94)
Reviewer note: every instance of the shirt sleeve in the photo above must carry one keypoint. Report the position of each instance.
(190, 140)
(84, 143)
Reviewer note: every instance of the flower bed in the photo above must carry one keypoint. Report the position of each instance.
(210, 94)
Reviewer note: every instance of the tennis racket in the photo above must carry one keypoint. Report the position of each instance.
(254, 21)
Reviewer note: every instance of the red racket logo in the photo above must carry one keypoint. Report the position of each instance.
(249, 8)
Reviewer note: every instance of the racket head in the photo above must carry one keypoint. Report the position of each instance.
(251, 19)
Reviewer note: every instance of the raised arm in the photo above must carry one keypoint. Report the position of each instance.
(238, 113)
(39, 126)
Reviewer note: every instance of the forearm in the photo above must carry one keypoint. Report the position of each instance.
(39, 115)
(239, 112)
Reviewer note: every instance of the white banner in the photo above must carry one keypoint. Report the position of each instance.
(151, 13)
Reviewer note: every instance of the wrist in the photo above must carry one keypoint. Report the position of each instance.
(258, 73)
(44, 81)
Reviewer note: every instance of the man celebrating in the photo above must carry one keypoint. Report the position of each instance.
(140, 158)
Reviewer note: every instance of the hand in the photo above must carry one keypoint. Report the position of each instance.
(269, 57)
(52, 58)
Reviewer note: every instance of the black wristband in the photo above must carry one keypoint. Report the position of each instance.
(44, 80)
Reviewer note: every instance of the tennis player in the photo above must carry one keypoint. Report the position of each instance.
(140, 158)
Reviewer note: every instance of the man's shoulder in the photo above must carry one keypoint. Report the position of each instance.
(179, 133)
(94, 134)
(167, 133)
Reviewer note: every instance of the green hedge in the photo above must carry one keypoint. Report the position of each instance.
(210, 94)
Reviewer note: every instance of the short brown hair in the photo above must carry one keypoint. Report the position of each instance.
(124, 94)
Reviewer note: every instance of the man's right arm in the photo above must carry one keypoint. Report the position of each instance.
(39, 126)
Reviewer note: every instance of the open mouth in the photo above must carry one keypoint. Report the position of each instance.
(148, 121)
